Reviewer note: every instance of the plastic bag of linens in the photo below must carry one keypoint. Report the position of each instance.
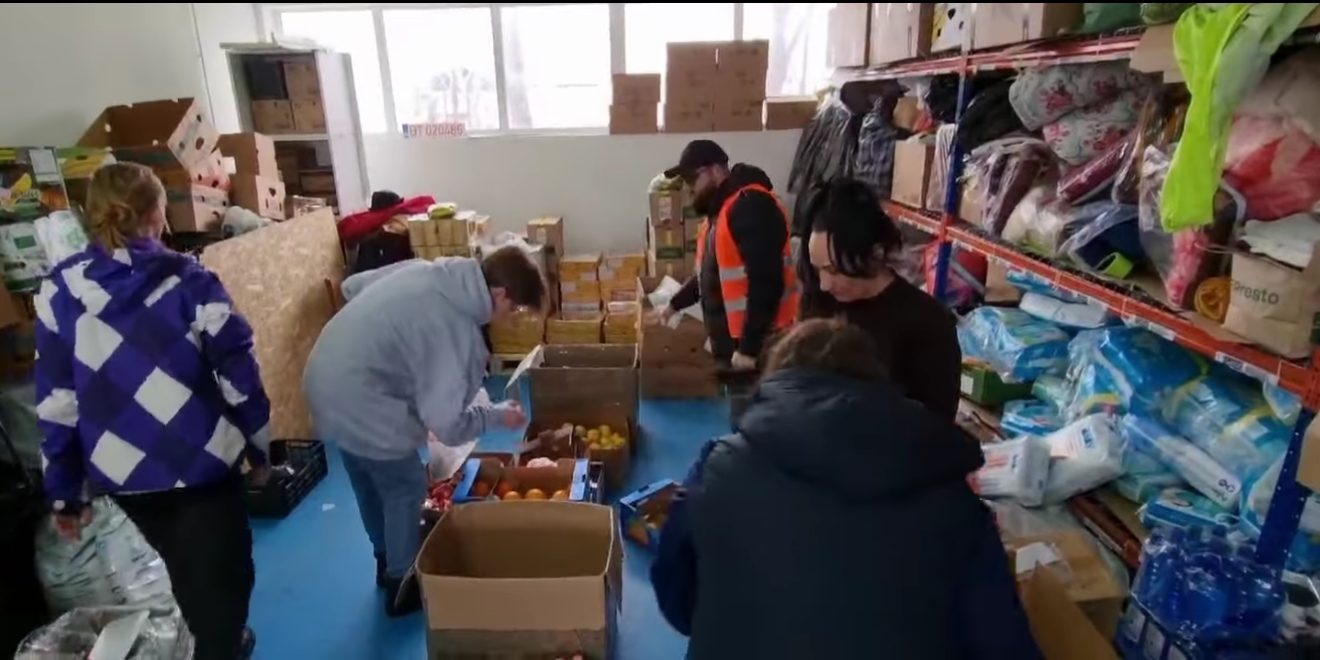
(1042, 223)
(110, 564)
(1028, 417)
(1014, 468)
(1084, 455)
(1130, 369)
(1052, 390)
(1189, 461)
(1226, 416)
(1024, 281)
(1018, 346)
(161, 634)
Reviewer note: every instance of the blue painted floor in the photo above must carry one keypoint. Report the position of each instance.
(316, 596)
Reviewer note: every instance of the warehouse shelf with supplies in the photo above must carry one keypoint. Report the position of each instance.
(1131, 305)
(1050, 52)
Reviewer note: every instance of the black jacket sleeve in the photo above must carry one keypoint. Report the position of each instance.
(760, 231)
(939, 388)
(687, 296)
(674, 571)
(989, 617)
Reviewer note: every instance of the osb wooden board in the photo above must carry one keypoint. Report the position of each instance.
(277, 279)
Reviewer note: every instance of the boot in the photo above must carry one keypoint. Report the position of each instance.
(403, 597)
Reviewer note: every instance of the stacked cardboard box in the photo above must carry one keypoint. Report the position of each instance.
(618, 276)
(255, 182)
(622, 320)
(742, 72)
(175, 140)
(579, 286)
(674, 359)
(672, 231)
(788, 112)
(636, 98)
(432, 237)
(518, 334)
(691, 83)
(286, 94)
(549, 232)
(582, 328)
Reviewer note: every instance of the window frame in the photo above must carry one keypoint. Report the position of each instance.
(270, 21)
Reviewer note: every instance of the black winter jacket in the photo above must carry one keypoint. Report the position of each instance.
(837, 523)
(760, 231)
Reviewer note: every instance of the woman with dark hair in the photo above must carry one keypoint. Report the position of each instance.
(847, 273)
(837, 523)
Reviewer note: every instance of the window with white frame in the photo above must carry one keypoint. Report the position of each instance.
(538, 66)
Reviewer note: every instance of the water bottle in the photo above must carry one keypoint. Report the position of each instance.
(1210, 585)
(1261, 597)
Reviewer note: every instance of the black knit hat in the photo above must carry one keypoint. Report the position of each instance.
(383, 199)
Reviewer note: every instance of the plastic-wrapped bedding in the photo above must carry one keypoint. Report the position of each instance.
(1084, 455)
(1028, 417)
(1084, 134)
(1044, 95)
(1189, 461)
(1024, 281)
(1018, 346)
(1228, 418)
(163, 635)
(1052, 390)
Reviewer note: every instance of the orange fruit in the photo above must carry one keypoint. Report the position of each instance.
(502, 489)
(481, 489)
(511, 496)
(560, 496)
(535, 494)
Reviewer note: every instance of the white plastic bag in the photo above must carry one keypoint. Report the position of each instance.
(61, 236)
(1016, 469)
(1084, 455)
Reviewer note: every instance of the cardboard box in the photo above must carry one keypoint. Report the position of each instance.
(671, 206)
(907, 112)
(662, 345)
(951, 26)
(1004, 23)
(689, 116)
(743, 67)
(300, 79)
(666, 240)
(1275, 305)
(522, 579)
(738, 114)
(518, 334)
(636, 89)
(1308, 468)
(578, 311)
(479, 476)
(566, 382)
(308, 116)
(195, 208)
(642, 513)
(634, 119)
(788, 112)
(548, 231)
(317, 182)
(1082, 572)
(261, 195)
(622, 322)
(997, 289)
(1061, 629)
(579, 292)
(273, 117)
(559, 330)
(849, 29)
(912, 161)
(679, 269)
(168, 134)
(981, 384)
(679, 382)
(208, 172)
(692, 56)
(253, 153)
(691, 235)
(900, 31)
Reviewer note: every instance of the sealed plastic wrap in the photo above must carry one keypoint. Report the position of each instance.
(1029, 417)
(1081, 315)
(1005, 171)
(1052, 390)
(1018, 346)
(1158, 125)
(1044, 95)
(1142, 488)
(161, 636)
(1110, 244)
(1014, 468)
(1042, 223)
(1261, 493)
(1024, 281)
(1131, 368)
(111, 564)
(1274, 165)
(1181, 508)
(1090, 180)
(1189, 461)
(1084, 134)
(1084, 455)
(1284, 404)
(1226, 416)
(939, 167)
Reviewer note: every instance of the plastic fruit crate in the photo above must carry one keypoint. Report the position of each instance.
(285, 490)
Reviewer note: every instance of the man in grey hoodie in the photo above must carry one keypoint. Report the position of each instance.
(403, 357)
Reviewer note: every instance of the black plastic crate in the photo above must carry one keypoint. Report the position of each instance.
(284, 491)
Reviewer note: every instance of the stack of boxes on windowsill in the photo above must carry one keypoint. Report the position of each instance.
(715, 86)
(636, 98)
(671, 236)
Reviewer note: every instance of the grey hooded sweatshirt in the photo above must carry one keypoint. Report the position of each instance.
(405, 355)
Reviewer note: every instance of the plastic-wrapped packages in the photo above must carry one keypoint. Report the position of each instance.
(1275, 165)
(1081, 135)
(1042, 223)
(1177, 507)
(1090, 180)
(1261, 493)
(162, 635)
(1043, 95)
(1189, 461)
(1024, 281)
(1110, 244)
(1005, 171)
(1284, 404)
(1052, 390)
(1018, 346)
(1015, 468)
(1085, 454)
(1068, 315)
(61, 235)
(111, 564)
(1228, 418)
(939, 167)
(1130, 368)
(1029, 417)
(1158, 125)
(1142, 488)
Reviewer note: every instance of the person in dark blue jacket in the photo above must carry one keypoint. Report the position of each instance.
(837, 523)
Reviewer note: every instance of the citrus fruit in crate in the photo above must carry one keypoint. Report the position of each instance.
(560, 496)
(535, 494)
(511, 496)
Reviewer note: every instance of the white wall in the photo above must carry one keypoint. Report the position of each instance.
(596, 182)
(222, 23)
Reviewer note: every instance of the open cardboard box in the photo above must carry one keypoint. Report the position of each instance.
(643, 512)
(1061, 629)
(662, 345)
(480, 474)
(616, 461)
(163, 135)
(567, 383)
(1086, 580)
(520, 579)
(482, 478)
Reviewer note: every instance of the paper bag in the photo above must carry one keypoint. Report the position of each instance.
(1274, 305)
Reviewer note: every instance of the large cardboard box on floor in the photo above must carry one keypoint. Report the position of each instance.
(1061, 629)
(1085, 577)
(522, 579)
(561, 382)
(253, 153)
(1276, 305)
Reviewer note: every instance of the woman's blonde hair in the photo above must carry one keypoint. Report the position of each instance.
(119, 200)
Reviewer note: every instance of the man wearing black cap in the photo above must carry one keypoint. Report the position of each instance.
(744, 279)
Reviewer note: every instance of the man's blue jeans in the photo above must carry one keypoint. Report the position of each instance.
(389, 496)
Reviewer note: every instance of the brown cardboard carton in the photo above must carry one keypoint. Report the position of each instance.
(253, 153)
(560, 330)
(573, 380)
(208, 172)
(662, 345)
(518, 334)
(1004, 23)
(261, 195)
(1308, 469)
(691, 234)
(634, 119)
(622, 321)
(849, 27)
(687, 87)
(300, 79)
(788, 112)
(692, 56)
(689, 117)
(679, 269)
(308, 116)
(580, 267)
(666, 240)
(738, 114)
(618, 276)
(900, 31)
(912, 161)
(679, 382)
(522, 579)
(997, 288)
(951, 27)
(670, 205)
(1085, 577)
(907, 112)
(317, 182)
(636, 88)
(742, 69)
(1275, 305)
(195, 208)
(273, 117)
(1061, 629)
(577, 311)
(548, 231)
(167, 134)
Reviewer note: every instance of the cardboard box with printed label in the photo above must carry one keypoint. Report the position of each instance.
(273, 117)
(618, 276)
(300, 79)
(261, 195)
(195, 208)
(900, 31)
(789, 112)
(849, 28)
(622, 321)
(1276, 305)
(308, 116)
(317, 182)
(743, 66)
(666, 240)
(912, 161)
(560, 330)
(163, 135)
(689, 116)
(518, 334)
(671, 206)
(522, 579)
(736, 114)
(636, 89)
(253, 153)
(1004, 23)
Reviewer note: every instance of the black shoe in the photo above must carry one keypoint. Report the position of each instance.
(248, 644)
(403, 597)
(380, 571)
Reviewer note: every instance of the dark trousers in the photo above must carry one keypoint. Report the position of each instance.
(203, 537)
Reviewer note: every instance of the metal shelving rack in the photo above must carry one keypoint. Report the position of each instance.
(1282, 520)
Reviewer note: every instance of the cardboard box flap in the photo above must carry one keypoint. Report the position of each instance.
(1061, 629)
(165, 133)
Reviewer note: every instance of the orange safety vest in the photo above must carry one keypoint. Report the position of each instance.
(733, 275)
